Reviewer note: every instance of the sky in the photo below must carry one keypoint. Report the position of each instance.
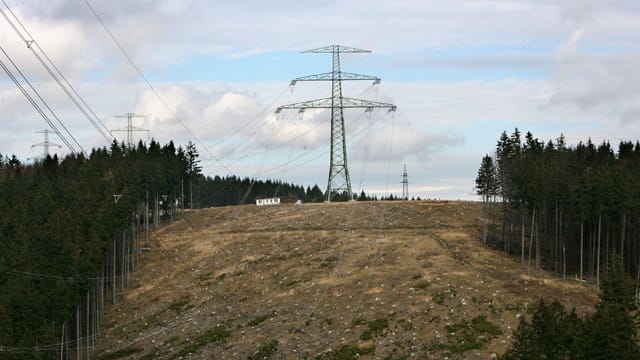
(460, 72)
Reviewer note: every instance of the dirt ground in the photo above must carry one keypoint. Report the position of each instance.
(375, 280)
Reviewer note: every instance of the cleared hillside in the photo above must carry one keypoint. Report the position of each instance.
(382, 279)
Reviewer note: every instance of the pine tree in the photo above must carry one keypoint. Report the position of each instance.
(193, 168)
(611, 330)
(487, 180)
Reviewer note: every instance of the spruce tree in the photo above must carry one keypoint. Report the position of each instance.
(611, 331)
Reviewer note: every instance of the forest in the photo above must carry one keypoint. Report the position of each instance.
(561, 208)
(72, 229)
(574, 211)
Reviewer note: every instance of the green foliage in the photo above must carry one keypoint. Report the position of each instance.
(180, 305)
(265, 351)
(560, 203)
(375, 328)
(258, 320)
(552, 333)
(469, 335)
(232, 190)
(487, 179)
(58, 223)
(216, 335)
(611, 331)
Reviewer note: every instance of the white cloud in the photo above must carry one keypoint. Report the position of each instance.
(583, 56)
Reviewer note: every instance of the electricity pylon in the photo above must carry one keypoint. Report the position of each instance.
(45, 144)
(405, 184)
(130, 129)
(339, 180)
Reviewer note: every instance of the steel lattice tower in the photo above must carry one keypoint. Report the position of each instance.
(339, 180)
(405, 183)
(130, 129)
(45, 144)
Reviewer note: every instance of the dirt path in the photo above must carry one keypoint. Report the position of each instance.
(383, 279)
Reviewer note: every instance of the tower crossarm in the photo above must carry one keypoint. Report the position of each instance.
(330, 76)
(336, 49)
(346, 103)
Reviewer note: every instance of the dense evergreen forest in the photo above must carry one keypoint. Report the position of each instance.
(565, 209)
(71, 231)
(609, 333)
(574, 211)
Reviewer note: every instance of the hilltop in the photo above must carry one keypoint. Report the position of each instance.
(382, 279)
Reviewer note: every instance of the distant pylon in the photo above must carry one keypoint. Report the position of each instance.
(45, 145)
(130, 129)
(338, 171)
(405, 184)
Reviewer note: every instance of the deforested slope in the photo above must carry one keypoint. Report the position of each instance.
(327, 281)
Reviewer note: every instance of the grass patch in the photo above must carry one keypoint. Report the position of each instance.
(122, 353)
(329, 261)
(347, 352)
(258, 320)
(290, 283)
(469, 335)
(180, 305)
(150, 356)
(265, 351)
(438, 298)
(375, 328)
(359, 321)
(514, 307)
(216, 335)
(421, 285)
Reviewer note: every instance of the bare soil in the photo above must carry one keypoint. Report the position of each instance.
(383, 280)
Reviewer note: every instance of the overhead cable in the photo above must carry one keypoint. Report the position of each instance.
(35, 104)
(155, 92)
(56, 74)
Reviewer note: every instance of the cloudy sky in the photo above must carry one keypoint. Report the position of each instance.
(460, 72)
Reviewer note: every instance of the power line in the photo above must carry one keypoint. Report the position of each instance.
(405, 184)
(45, 144)
(72, 279)
(56, 74)
(130, 129)
(35, 104)
(339, 180)
(155, 92)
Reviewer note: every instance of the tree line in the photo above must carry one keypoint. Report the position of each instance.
(563, 208)
(68, 240)
(71, 230)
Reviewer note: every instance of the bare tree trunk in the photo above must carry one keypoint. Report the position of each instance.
(637, 280)
(581, 248)
(538, 244)
(487, 210)
(555, 239)
(598, 250)
(533, 219)
(622, 236)
(522, 240)
(123, 265)
(88, 327)
(78, 343)
(113, 273)
(62, 342)
(564, 250)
